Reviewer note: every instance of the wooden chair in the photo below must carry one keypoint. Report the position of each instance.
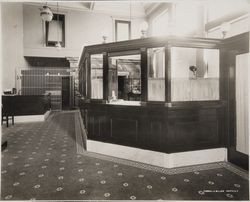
(4, 145)
(7, 111)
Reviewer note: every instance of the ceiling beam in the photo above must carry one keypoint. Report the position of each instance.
(150, 8)
(92, 6)
(157, 8)
(226, 18)
(86, 5)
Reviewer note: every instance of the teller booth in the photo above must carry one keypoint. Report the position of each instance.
(162, 94)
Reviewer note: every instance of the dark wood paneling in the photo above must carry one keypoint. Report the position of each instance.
(154, 136)
(26, 104)
(65, 93)
(238, 158)
(87, 65)
(180, 126)
(124, 129)
(184, 131)
(96, 121)
(105, 76)
(151, 42)
(155, 127)
(47, 62)
(96, 126)
(168, 74)
(144, 75)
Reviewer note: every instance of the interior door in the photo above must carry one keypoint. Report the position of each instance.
(239, 124)
(121, 87)
(65, 93)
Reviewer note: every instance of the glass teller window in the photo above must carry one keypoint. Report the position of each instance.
(194, 74)
(156, 74)
(96, 62)
(125, 77)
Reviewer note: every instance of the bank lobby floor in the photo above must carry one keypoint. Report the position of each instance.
(44, 161)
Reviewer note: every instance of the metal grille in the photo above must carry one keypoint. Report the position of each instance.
(38, 81)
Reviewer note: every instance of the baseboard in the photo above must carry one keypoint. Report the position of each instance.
(160, 159)
(31, 118)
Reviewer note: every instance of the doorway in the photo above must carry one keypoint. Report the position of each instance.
(239, 128)
(121, 87)
(65, 93)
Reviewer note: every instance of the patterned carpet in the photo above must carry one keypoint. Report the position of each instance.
(43, 161)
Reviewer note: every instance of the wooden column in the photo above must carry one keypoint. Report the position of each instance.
(88, 66)
(105, 76)
(144, 75)
(74, 78)
(168, 74)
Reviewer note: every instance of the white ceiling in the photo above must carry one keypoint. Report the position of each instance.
(119, 8)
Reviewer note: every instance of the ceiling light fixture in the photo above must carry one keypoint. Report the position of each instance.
(46, 14)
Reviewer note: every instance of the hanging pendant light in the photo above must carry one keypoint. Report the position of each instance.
(46, 13)
(58, 44)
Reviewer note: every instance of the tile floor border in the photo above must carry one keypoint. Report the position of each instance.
(235, 169)
(168, 171)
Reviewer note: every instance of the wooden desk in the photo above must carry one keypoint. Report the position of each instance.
(26, 104)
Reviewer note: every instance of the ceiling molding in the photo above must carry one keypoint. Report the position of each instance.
(226, 18)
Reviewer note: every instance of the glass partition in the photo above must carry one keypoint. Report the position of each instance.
(194, 74)
(125, 77)
(96, 65)
(156, 74)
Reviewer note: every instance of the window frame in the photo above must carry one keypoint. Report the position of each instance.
(127, 53)
(122, 22)
(171, 69)
(165, 49)
(90, 76)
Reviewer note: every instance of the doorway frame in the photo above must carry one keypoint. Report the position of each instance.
(232, 47)
(71, 91)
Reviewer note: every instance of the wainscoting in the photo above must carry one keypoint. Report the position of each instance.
(155, 127)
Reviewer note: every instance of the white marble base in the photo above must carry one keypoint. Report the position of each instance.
(31, 118)
(157, 158)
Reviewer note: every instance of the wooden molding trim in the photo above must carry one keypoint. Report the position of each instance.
(226, 18)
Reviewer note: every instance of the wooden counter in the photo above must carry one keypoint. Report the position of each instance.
(21, 105)
(179, 110)
(156, 127)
